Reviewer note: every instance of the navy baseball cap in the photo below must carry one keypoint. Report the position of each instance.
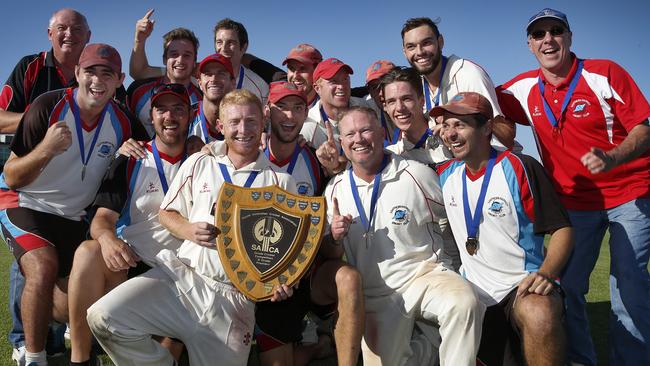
(548, 13)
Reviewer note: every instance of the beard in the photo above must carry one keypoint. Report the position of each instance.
(280, 135)
(428, 70)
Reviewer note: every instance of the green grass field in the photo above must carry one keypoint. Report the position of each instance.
(598, 307)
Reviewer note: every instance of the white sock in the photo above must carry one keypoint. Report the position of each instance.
(39, 357)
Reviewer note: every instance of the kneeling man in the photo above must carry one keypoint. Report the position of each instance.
(500, 205)
(188, 296)
(385, 210)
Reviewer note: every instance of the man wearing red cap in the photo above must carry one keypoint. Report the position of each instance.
(332, 84)
(373, 75)
(591, 124)
(63, 146)
(386, 212)
(500, 205)
(216, 79)
(445, 76)
(333, 285)
(128, 199)
(301, 63)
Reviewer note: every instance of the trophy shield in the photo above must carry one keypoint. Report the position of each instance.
(269, 236)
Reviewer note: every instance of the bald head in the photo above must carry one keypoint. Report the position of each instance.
(69, 33)
(68, 12)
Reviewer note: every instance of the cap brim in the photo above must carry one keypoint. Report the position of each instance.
(456, 109)
(547, 17)
(183, 98)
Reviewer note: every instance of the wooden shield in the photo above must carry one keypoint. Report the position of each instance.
(268, 236)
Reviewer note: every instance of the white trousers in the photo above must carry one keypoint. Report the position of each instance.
(400, 329)
(151, 304)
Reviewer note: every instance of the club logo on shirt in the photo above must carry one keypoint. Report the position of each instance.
(303, 188)
(105, 149)
(497, 207)
(401, 215)
(579, 108)
(151, 187)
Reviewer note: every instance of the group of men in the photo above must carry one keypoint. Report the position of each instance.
(434, 249)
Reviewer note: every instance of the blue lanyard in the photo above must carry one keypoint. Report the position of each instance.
(396, 133)
(294, 157)
(80, 138)
(427, 92)
(204, 123)
(159, 166)
(373, 200)
(316, 99)
(323, 115)
(240, 80)
(387, 140)
(572, 87)
(423, 139)
(472, 223)
(226, 176)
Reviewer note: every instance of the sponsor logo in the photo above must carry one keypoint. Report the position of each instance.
(536, 111)
(452, 202)
(204, 188)
(497, 207)
(400, 215)
(151, 187)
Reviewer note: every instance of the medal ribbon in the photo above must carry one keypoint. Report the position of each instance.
(572, 87)
(204, 124)
(78, 128)
(159, 166)
(240, 79)
(427, 92)
(472, 223)
(423, 139)
(294, 157)
(226, 176)
(373, 200)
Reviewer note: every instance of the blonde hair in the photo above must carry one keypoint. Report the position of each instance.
(239, 97)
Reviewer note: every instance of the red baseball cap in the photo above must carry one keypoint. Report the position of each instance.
(217, 57)
(328, 68)
(378, 69)
(281, 89)
(101, 54)
(304, 53)
(463, 104)
(178, 90)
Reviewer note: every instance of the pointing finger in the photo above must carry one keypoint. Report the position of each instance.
(330, 132)
(335, 208)
(146, 16)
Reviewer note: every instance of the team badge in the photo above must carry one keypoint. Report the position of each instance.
(302, 205)
(579, 108)
(400, 215)
(268, 196)
(255, 195)
(497, 207)
(105, 149)
(280, 197)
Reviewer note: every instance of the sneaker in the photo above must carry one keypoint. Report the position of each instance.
(18, 355)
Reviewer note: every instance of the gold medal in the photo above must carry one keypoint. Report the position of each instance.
(471, 245)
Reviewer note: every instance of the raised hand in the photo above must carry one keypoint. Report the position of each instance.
(340, 225)
(328, 153)
(144, 27)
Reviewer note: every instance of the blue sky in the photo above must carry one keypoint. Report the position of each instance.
(490, 33)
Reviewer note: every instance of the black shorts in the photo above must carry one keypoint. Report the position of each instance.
(24, 229)
(279, 323)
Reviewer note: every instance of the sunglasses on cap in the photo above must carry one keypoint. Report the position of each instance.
(539, 34)
(174, 88)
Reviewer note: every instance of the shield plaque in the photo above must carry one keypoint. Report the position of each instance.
(266, 238)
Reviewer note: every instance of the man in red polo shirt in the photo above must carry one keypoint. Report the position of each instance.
(591, 125)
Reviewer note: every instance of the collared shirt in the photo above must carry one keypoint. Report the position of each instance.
(314, 130)
(604, 107)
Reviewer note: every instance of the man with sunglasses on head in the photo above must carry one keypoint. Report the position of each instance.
(591, 124)
(128, 199)
(500, 205)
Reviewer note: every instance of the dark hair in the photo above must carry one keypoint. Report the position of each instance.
(413, 23)
(227, 23)
(176, 34)
(405, 74)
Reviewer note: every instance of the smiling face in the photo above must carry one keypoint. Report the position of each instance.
(465, 138)
(226, 42)
(362, 139)
(287, 117)
(552, 52)
(301, 75)
(170, 117)
(215, 81)
(336, 90)
(423, 49)
(68, 32)
(180, 60)
(97, 85)
(242, 126)
(403, 105)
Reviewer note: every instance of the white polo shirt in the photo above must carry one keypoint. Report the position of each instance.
(314, 130)
(405, 235)
(194, 191)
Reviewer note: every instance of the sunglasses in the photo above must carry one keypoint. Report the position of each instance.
(179, 89)
(541, 33)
